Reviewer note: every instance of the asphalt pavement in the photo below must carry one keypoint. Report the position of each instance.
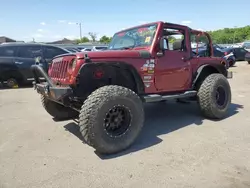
(177, 147)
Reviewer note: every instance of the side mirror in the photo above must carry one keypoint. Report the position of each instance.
(162, 47)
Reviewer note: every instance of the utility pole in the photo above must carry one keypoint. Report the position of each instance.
(80, 28)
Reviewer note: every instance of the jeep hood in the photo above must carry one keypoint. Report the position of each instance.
(115, 54)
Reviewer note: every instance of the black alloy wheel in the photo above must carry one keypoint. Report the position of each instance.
(117, 121)
(221, 97)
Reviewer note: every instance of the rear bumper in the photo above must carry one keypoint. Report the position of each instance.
(48, 88)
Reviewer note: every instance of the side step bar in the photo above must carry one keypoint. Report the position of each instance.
(157, 97)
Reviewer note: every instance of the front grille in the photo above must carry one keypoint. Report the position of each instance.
(59, 70)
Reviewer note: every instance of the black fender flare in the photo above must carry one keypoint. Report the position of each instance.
(140, 89)
(216, 68)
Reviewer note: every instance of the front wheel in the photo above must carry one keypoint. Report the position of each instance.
(214, 96)
(111, 118)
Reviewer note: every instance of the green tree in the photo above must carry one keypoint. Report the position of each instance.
(105, 39)
(82, 40)
(93, 36)
(171, 39)
(230, 35)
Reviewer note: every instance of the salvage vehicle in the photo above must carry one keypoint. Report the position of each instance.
(16, 60)
(106, 90)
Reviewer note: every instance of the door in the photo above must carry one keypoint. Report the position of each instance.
(173, 70)
(7, 67)
(241, 52)
(26, 56)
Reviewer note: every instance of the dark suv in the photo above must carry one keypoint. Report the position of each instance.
(17, 58)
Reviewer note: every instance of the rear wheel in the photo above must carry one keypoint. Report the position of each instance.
(231, 63)
(214, 96)
(248, 62)
(12, 83)
(58, 111)
(111, 118)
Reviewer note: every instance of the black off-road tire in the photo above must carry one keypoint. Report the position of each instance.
(248, 62)
(231, 63)
(94, 112)
(12, 83)
(207, 93)
(58, 111)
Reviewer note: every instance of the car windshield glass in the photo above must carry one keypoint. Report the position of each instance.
(101, 48)
(225, 49)
(71, 49)
(140, 36)
(246, 45)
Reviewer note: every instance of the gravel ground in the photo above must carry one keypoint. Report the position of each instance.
(177, 148)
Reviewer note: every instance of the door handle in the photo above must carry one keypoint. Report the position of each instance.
(18, 62)
(185, 58)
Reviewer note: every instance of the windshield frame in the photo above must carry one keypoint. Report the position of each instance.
(156, 25)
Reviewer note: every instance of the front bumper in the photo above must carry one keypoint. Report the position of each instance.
(49, 89)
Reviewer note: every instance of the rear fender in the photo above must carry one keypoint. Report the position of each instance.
(207, 69)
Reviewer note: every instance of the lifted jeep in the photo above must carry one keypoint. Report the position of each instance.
(148, 63)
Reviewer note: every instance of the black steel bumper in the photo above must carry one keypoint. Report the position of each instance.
(48, 88)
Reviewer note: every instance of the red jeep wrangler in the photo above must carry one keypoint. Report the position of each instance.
(148, 63)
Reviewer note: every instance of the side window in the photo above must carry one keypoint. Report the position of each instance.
(174, 39)
(237, 50)
(242, 50)
(201, 42)
(29, 51)
(7, 51)
(51, 52)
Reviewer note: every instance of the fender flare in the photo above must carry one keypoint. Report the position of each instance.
(123, 65)
(216, 68)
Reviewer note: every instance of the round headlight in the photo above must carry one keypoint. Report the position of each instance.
(73, 64)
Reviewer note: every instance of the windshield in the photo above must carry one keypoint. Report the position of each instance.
(101, 48)
(136, 37)
(246, 45)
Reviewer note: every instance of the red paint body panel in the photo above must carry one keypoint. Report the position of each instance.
(170, 71)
